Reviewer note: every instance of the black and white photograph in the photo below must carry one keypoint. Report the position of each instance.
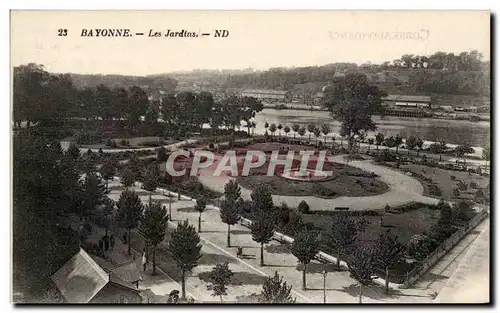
(250, 157)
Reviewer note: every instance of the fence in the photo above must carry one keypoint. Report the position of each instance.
(444, 248)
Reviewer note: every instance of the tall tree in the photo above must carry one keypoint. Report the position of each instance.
(219, 277)
(151, 179)
(353, 101)
(262, 230)
(302, 131)
(230, 214)
(317, 133)
(275, 290)
(411, 143)
(305, 247)
(153, 226)
(108, 170)
(462, 150)
(344, 232)
(398, 140)
(295, 128)
(286, 130)
(73, 152)
(379, 139)
(185, 249)
(325, 129)
(93, 194)
(128, 177)
(280, 127)
(486, 154)
(263, 199)
(388, 252)
(201, 205)
(272, 128)
(130, 210)
(310, 128)
(361, 265)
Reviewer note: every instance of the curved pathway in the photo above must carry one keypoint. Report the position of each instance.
(402, 189)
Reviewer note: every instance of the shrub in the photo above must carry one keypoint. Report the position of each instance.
(456, 192)
(434, 190)
(303, 207)
(123, 142)
(113, 144)
(452, 177)
(387, 208)
(385, 156)
(211, 146)
(473, 185)
(109, 142)
(462, 185)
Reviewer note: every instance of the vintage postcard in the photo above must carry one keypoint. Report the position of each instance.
(251, 157)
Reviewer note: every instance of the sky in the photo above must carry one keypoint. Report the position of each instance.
(257, 39)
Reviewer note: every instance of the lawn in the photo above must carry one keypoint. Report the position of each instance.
(404, 225)
(442, 178)
(347, 181)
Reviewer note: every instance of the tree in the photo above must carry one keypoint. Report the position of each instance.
(130, 210)
(361, 265)
(310, 128)
(302, 131)
(370, 142)
(317, 133)
(462, 150)
(411, 143)
(185, 249)
(398, 140)
(325, 129)
(108, 213)
(280, 127)
(134, 164)
(128, 177)
(486, 154)
(219, 277)
(200, 206)
(420, 145)
(151, 179)
(108, 171)
(420, 246)
(93, 194)
(286, 130)
(295, 128)
(161, 154)
(262, 230)
(438, 148)
(379, 138)
(73, 152)
(262, 199)
(230, 209)
(344, 233)
(153, 226)
(390, 142)
(305, 247)
(275, 290)
(230, 215)
(352, 101)
(388, 252)
(272, 128)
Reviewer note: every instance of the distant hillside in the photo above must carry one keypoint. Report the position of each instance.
(162, 82)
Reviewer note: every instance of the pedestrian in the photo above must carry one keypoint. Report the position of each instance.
(144, 261)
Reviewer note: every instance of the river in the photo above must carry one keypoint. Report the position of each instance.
(476, 134)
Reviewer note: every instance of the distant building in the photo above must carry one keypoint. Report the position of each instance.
(268, 95)
(82, 280)
(405, 101)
